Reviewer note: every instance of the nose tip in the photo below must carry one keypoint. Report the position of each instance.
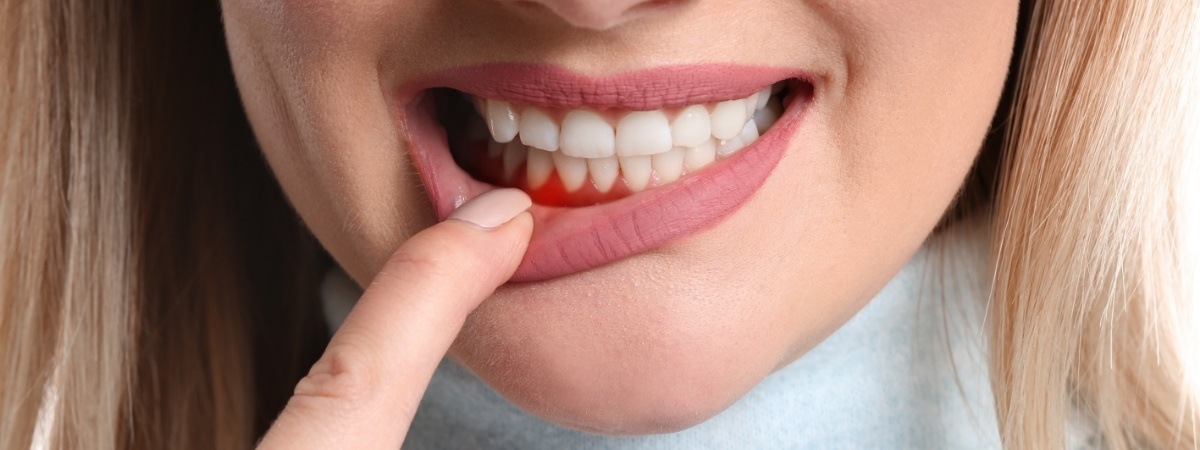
(597, 14)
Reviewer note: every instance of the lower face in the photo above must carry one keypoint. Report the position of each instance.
(720, 184)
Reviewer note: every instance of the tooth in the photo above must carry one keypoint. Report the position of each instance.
(571, 170)
(669, 165)
(729, 146)
(763, 96)
(494, 149)
(502, 120)
(728, 118)
(750, 103)
(604, 172)
(643, 133)
(636, 171)
(749, 133)
(691, 127)
(699, 156)
(767, 116)
(586, 135)
(538, 130)
(538, 168)
(514, 156)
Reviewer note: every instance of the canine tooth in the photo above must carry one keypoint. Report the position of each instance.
(586, 135)
(763, 97)
(669, 165)
(699, 156)
(538, 168)
(767, 116)
(571, 170)
(643, 133)
(514, 156)
(538, 130)
(604, 172)
(751, 102)
(636, 171)
(502, 120)
(494, 149)
(728, 118)
(691, 127)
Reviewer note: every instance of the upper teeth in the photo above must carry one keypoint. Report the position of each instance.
(667, 143)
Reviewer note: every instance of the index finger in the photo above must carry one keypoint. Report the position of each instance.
(364, 390)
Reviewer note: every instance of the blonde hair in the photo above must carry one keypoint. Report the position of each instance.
(156, 291)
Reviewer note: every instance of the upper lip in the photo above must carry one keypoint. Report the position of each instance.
(569, 240)
(556, 87)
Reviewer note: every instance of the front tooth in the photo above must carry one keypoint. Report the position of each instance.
(538, 130)
(571, 170)
(767, 116)
(636, 170)
(728, 118)
(669, 165)
(643, 133)
(502, 120)
(699, 156)
(538, 168)
(691, 127)
(514, 155)
(763, 97)
(604, 172)
(586, 135)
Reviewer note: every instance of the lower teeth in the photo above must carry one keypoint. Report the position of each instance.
(552, 177)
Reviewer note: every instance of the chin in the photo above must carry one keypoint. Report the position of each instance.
(648, 359)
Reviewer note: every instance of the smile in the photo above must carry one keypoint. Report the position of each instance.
(616, 165)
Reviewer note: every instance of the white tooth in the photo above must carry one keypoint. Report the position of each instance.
(728, 118)
(636, 171)
(538, 168)
(763, 96)
(643, 133)
(749, 133)
(604, 172)
(514, 155)
(767, 116)
(729, 146)
(502, 120)
(751, 102)
(669, 165)
(699, 156)
(571, 170)
(691, 127)
(538, 130)
(495, 149)
(586, 135)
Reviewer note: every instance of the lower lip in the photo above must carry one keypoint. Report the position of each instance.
(570, 240)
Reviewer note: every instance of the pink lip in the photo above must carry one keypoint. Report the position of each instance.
(570, 240)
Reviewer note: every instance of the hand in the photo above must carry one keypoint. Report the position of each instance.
(364, 391)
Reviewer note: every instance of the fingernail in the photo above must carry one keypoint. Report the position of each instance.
(493, 208)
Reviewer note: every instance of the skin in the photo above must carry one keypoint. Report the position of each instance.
(660, 341)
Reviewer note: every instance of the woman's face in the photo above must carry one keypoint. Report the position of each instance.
(647, 303)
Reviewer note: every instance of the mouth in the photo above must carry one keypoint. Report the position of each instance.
(616, 166)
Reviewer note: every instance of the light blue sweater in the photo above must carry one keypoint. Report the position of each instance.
(907, 372)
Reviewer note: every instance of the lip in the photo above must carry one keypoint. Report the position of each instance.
(570, 240)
